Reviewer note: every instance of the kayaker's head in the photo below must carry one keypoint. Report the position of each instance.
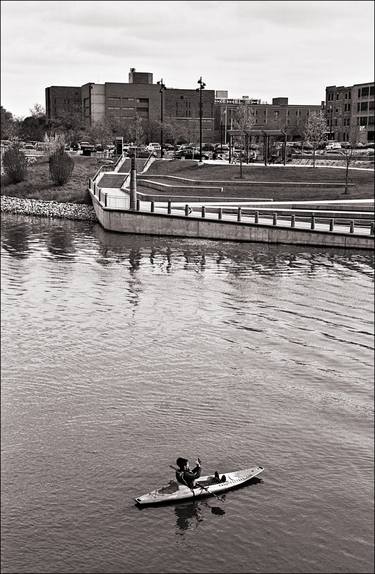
(182, 463)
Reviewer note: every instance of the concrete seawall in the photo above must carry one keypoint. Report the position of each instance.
(138, 222)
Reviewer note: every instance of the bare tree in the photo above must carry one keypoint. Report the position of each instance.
(100, 133)
(315, 131)
(243, 122)
(136, 130)
(37, 111)
(347, 154)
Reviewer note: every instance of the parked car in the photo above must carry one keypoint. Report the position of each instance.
(333, 145)
(154, 146)
(87, 148)
(190, 153)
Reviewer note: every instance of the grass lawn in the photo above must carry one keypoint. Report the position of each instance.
(363, 180)
(38, 184)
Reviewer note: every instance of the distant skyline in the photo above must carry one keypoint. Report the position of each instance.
(257, 49)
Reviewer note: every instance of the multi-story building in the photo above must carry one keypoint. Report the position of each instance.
(350, 113)
(280, 115)
(62, 101)
(119, 104)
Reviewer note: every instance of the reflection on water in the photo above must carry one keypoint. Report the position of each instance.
(59, 242)
(120, 349)
(191, 514)
(15, 240)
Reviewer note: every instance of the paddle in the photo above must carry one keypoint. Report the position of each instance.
(202, 487)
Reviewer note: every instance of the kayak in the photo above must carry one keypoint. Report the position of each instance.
(204, 486)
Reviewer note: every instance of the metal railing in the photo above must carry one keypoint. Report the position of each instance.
(236, 214)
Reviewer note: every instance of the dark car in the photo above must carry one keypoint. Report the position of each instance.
(190, 153)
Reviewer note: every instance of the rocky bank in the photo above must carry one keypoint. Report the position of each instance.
(42, 208)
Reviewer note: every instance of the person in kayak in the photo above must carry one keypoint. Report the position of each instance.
(186, 476)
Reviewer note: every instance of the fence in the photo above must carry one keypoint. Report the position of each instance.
(238, 214)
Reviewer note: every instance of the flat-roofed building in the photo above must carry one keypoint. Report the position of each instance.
(350, 113)
(63, 101)
(120, 104)
(280, 115)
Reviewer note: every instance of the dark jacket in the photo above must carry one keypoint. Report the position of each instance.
(187, 477)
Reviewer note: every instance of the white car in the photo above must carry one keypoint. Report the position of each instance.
(333, 145)
(153, 146)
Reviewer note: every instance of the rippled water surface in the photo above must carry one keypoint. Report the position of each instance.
(120, 353)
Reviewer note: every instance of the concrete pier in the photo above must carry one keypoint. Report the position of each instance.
(183, 222)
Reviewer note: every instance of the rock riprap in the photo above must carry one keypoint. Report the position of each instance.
(42, 208)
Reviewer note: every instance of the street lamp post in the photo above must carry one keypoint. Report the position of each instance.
(330, 124)
(202, 85)
(162, 89)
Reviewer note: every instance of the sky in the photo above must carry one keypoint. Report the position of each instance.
(262, 50)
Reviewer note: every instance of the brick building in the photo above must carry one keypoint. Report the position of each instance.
(278, 115)
(350, 112)
(120, 103)
(62, 101)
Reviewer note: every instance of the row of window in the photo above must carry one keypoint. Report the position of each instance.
(364, 106)
(115, 100)
(362, 93)
(365, 92)
(365, 121)
(336, 96)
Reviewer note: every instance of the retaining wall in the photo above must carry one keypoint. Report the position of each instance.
(182, 226)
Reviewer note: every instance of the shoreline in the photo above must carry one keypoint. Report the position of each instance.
(42, 208)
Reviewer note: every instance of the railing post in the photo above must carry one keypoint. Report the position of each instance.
(256, 217)
(138, 205)
(169, 207)
(90, 182)
(274, 222)
(100, 194)
(372, 228)
(351, 229)
(94, 188)
(331, 224)
(186, 210)
(220, 213)
(312, 222)
(203, 211)
(152, 207)
(293, 221)
(105, 199)
(238, 214)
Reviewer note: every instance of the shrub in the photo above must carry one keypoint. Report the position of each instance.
(60, 166)
(15, 164)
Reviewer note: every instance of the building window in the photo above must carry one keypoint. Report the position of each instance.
(337, 96)
(371, 105)
(364, 106)
(371, 121)
(363, 121)
(371, 90)
(365, 92)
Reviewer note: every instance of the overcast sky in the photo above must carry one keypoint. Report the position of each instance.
(259, 49)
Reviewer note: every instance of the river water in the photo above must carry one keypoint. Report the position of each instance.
(121, 353)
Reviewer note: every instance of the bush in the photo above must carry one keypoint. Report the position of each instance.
(15, 164)
(60, 166)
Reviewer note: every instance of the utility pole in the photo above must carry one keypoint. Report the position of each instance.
(202, 85)
(162, 89)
